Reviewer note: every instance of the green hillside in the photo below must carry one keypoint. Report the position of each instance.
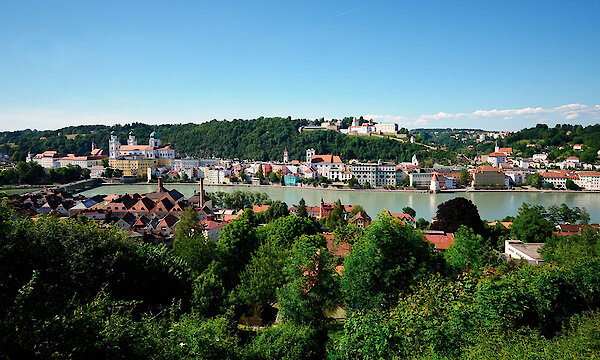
(258, 139)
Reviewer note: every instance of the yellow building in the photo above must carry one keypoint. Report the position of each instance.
(134, 166)
(488, 177)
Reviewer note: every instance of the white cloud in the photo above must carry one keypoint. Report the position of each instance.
(516, 118)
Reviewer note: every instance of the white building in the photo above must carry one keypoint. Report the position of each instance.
(386, 128)
(589, 180)
(515, 249)
(376, 174)
(496, 158)
(151, 151)
(420, 180)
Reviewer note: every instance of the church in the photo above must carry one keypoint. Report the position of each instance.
(134, 159)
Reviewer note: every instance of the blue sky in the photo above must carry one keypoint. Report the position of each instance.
(480, 64)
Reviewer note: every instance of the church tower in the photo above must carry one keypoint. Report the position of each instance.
(286, 158)
(131, 139)
(113, 145)
(154, 140)
(309, 154)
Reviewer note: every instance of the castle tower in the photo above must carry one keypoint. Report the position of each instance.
(309, 154)
(286, 158)
(355, 122)
(154, 140)
(415, 161)
(113, 145)
(131, 139)
(435, 183)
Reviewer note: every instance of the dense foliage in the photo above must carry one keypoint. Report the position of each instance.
(70, 289)
(258, 139)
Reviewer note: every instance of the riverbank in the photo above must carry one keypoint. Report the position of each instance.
(334, 188)
(492, 205)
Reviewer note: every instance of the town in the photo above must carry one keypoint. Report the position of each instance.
(503, 168)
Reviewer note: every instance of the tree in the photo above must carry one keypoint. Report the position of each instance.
(190, 244)
(302, 209)
(410, 211)
(469, 251)
(531, 225)
(456, 212)
(105, 163)
(385, 261)
(356, 209)
(276, 210)
(570, 185)
(311, 282)
(108, 172)
(118, 173)
(259, 172)
(335, 218)
(422, 224)
(535, 180)
(352, 182)
(563, 214)
(465, 178)
(367, 185)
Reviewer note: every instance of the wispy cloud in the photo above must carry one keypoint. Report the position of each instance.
(344, 13)
(516, 118)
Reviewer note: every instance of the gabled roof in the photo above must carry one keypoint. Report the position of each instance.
(326, 159)
(142, 221)
(169, 220)
(163, 205)
(128, 218)
(497, 154)
(360, 216)
(143, 204)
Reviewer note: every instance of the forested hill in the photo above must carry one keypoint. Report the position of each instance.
(551, 139)
(258, 139)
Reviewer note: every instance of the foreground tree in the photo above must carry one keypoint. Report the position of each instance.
(190, 244)
(385, 261)
(455, 213)
(469, 251)
(531, 225)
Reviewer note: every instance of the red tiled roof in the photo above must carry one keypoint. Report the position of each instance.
(497, 154)
(326, 158)
(440, 241)
(136, 147)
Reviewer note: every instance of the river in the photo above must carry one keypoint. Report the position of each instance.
(491, 205)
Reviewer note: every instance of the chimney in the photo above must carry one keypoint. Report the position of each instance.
(201, 192)
(160, 185)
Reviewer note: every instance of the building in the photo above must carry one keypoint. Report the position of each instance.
(291, 180)
(322, 163)
(361, 220)
(376, 174)
(488, 177)
(47, 159)
(386, 128)
(570, 163)
(440, 239)
(435, 183)
(420, 180)
(558, 178)
(496, 158)
(589, 180)
(515, 249)
(286, 157)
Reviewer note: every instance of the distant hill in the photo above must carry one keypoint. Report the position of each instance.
(257, 139)
(557, 141)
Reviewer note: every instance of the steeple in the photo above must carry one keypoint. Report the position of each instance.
(113, 145)
(285, 155)
(131, 139)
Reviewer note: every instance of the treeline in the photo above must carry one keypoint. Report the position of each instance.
(33, 173)
(71, 290)
(259, 139)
